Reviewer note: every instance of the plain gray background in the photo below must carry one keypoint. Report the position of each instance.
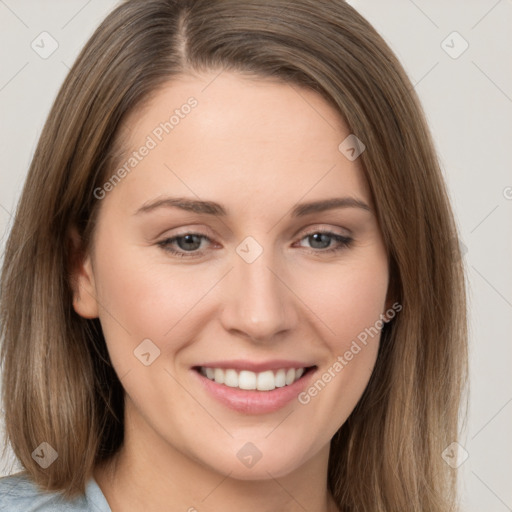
(467, 96)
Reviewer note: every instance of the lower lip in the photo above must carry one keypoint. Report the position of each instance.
(254, 402)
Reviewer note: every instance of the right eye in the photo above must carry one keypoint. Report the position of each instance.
(187, 244)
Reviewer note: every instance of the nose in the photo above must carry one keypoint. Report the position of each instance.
(260, 304)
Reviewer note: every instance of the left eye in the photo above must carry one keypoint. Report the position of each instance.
(188, 245)
(318, 239)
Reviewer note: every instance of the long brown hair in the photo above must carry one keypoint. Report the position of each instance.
(58, 382)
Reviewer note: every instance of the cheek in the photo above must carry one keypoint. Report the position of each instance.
(348, 300)
(350, 303)
(141, 300)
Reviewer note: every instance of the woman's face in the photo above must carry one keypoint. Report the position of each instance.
(209, 262)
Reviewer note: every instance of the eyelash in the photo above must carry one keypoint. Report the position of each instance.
(343, 241)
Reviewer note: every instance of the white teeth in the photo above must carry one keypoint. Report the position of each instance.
(247, 380)
(262, 381)
(218, 375)
(266, 381)
(280, 379)
(231, 378)
(290, 376)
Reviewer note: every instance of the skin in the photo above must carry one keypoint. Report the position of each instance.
(257, 147)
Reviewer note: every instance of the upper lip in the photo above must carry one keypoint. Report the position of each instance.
(256, 367)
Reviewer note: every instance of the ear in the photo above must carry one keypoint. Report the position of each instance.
(81, 276)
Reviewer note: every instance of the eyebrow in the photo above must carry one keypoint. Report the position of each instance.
(216, 209)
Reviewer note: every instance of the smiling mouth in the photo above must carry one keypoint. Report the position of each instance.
(267, 380)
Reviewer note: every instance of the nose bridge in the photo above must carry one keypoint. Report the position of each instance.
(258, 303)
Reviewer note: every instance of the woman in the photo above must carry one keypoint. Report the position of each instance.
(233, 280)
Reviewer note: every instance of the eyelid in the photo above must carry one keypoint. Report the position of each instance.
(187, 230)
(325, 227)
(210, 234)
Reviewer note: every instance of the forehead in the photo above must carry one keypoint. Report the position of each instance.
(237, 139)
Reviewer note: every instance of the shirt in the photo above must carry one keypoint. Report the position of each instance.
(19, 493)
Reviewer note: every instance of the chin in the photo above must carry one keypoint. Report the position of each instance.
(248, 462)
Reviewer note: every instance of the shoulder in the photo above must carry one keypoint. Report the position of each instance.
(19, 493)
